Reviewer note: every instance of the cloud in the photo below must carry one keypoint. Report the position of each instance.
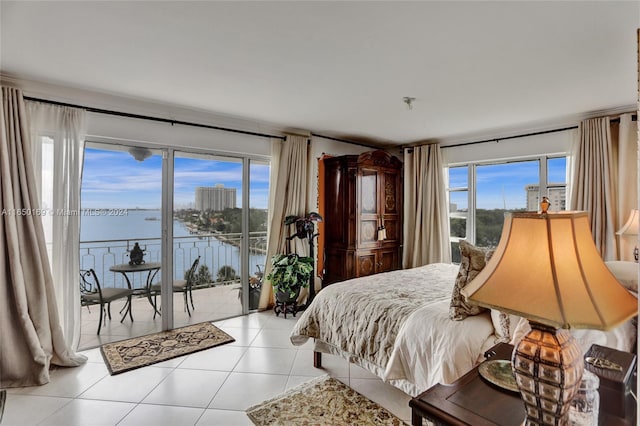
(115, 179)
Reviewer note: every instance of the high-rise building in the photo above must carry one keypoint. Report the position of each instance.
(557, 197)
(215, 198)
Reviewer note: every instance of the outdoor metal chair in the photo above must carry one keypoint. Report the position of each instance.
(180, 286)
(91, 293)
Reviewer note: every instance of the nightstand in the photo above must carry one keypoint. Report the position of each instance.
(471, 401)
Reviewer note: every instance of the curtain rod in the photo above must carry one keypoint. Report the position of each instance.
(146, 117)
(634, 117)
(512, 137)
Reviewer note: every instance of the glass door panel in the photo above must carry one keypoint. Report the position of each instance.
(121, 197)
(258, 214)
(207, 227)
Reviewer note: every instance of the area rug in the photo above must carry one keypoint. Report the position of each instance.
(146, 350)
(321, 401)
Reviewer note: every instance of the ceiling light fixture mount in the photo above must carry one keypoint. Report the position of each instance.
(409, 101)
(140, 154)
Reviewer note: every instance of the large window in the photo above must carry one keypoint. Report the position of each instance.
(481, 193)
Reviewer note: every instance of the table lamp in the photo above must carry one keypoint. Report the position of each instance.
(547, 269)
(631, 228)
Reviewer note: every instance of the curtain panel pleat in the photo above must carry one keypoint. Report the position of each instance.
(287, 197)
(31, 336)
(426, 220)
(603, 170)
(627, 177)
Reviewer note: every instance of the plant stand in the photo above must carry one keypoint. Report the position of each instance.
(286, 307)
(286, 304)
(305, 228)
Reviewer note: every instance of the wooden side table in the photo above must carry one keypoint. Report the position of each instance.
(471, 401)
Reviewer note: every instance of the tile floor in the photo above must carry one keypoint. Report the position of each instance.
(212, 303)
(212, 387)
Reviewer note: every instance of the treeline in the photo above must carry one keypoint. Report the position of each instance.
(488, 226)
(226, 221)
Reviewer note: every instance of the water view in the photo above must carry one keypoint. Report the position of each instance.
(107, 239)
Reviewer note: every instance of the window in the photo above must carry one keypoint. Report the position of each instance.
(458, 207)
(481, 193)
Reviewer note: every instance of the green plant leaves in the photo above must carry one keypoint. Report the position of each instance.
(290, 272)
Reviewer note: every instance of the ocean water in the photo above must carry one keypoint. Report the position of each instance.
(107, 235)
(124, 224)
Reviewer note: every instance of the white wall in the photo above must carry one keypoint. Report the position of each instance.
(109, 128)
(529, 146)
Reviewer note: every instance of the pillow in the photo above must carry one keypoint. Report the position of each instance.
(622, 338)
(625, 272)
(504, 325)
(472, 261)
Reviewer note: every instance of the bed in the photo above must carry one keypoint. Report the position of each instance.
(397, 325)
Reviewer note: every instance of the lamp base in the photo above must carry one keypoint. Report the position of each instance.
(548, 366)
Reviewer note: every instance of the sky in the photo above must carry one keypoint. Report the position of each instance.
(114, 179)
(501, 186)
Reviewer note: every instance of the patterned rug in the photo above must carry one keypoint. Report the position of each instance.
(321, 401)
(146, 350)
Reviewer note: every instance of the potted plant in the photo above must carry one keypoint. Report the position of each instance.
(289, 273)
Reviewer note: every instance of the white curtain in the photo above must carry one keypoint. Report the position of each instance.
(58, 135)
(287, 197)
(31, 338)
(604, 179)
(627, 176)
(426, 220)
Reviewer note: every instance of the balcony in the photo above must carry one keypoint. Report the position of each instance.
(216, 295)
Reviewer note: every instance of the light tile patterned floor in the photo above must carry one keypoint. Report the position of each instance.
(211, 387)
(211, 304)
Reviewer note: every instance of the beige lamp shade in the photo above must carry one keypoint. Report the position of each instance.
(547, 269)
(632, 225)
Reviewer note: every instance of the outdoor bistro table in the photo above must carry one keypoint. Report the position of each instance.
(151, 268)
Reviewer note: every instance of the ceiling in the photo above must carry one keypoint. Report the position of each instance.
(340, 68)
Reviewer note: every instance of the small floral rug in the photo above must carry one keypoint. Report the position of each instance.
(321, 401)
(146, 350)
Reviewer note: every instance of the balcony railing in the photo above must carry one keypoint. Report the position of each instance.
(215, 250)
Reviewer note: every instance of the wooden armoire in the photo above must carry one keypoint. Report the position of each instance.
(362, 216)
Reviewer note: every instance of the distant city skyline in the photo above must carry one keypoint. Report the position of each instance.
(114, 179)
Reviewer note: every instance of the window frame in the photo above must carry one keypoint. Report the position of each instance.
(543, 186)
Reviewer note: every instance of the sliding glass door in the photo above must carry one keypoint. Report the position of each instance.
(208, 212)
(208, 231)
(121, 198)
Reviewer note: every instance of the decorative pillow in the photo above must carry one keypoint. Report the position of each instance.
(522, 328)
(504, 325)
(472, 260)
(622, 337)
(625, 272)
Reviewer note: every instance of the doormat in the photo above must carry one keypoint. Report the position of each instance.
(141, 351)
(321, 401)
